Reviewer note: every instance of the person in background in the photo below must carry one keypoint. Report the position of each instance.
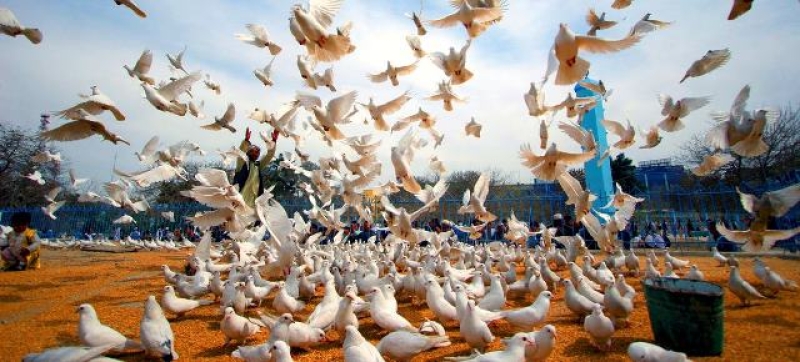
(135, 234)
(22, 249)
(117, 233)
(248, 174)
(176, 235)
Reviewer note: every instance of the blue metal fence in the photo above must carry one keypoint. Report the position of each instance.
(530, 203)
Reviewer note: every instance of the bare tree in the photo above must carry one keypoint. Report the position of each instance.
(783, 138)
(17, 147)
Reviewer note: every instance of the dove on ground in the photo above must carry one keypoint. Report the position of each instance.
(237, 328)
(402, 346)
(647, 352)
(179, 306)
(358, 349)
(156, 333)
(67, 354)
(514, 351)
(694, 274)
(92, 333)
(534, 314)
(741, 288)
(545, 342)
(600, 328)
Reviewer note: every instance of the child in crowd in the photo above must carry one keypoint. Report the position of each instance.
(22, 249)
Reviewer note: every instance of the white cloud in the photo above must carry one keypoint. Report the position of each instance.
(87, 44)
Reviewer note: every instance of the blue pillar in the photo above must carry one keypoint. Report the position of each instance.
(598, 177)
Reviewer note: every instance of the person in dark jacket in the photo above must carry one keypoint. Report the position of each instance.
(248, 174)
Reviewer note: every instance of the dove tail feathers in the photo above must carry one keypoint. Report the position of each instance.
(33, 34)
(671, 125)
(131, 344)
(569, 75)
(448, 105)
(274, 49)
(463, 77)
(750, 148)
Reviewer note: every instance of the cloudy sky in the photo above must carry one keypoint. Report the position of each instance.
(87, 42)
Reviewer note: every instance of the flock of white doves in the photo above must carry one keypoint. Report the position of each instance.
(449, 276)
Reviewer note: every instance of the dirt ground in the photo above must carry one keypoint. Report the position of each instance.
(38, 311)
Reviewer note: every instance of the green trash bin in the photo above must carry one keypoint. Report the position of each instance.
(686, 315)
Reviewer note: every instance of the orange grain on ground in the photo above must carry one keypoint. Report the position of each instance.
(37, 311)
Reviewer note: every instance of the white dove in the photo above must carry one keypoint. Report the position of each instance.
(739, 7)
(599, 327)
(446, 95)
(676, 111)
(177, 305)
(52, 207)
(93, 104)
(553, 162)
(92, 333)
(597, 22)
(647, 25)
(711, 163)
(416, 46)
(472, 203)
(358, 349)
(378, 111)
(124, 219)
(564, 59)
(454, 64)
(45, 156)
(473, 18)
(156, 333)
(265, 75)
(237, 328)
(165, 97)
(224, 121)
(260, 38)
(473, 128)
(626, 134)
(176, 61)
(393, 72)
(712, 60)
(9, 25)
(142, 67)
(130, 4)
(212, 84)
(404, 345)
(741, 288)
(647, 352)
(334, 114)
(68, 354)
(36, 177)
(85, 126)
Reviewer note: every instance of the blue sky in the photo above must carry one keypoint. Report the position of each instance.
(87, 43)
